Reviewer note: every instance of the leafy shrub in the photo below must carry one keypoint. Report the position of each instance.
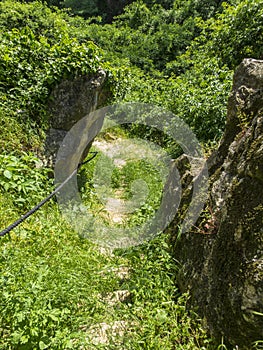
(148, 36)
(22, 179)
(197, 8)
(15, 135)
(34, 57)
(193, 83)
(200, 95)
(43, 21)
(236, 33)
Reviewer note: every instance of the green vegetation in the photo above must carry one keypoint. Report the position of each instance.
(102, 180)
(176, 54)
(37, 51)
(22, 179)
(55, 284)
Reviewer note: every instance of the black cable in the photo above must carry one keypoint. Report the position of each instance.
(40, 204)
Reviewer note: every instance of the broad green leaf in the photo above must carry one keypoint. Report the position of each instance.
(8, 174)
(42, 345)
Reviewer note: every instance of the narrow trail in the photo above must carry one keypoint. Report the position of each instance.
(104, 333)
(120, 151)
(115, 207)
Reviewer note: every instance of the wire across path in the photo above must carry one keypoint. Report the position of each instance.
(45, 200)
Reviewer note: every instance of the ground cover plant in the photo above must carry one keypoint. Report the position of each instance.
(54, 284)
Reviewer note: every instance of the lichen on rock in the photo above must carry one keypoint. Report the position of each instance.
(70, 101)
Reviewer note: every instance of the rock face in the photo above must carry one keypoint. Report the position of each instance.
(222, 258)
(70, 101)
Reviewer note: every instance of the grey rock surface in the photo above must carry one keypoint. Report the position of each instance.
(222, 257)
(70, 101)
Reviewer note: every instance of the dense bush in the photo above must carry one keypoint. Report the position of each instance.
(23, 179)
(179, 57)
(149, 36)
(36, 52)
(186, 56)
(105, 9)
(237, 32)
(39, 18)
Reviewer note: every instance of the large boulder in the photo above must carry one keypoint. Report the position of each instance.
(70, 101)
(222, 256)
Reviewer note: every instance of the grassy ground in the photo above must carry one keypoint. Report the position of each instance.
(56, 287)
(61, 291)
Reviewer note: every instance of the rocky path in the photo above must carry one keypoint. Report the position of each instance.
(120, 151)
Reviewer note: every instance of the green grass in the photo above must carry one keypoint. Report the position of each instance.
(56, 287)
(137, 182)
(52, 282)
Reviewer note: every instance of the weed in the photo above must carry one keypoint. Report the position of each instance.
(23, 178)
